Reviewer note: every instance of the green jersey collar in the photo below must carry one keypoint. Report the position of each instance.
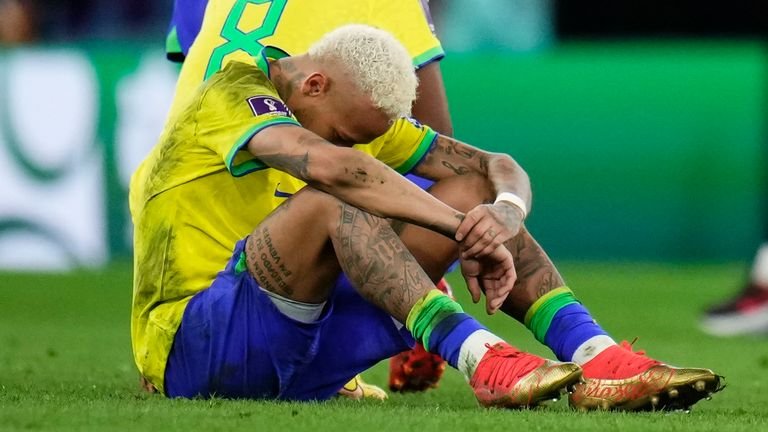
(266, 53)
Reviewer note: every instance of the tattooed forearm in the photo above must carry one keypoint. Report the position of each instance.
(458, 170)
(377, 262)
(455, 156)
(297, 166)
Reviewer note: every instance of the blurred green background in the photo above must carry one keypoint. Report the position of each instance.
(636, 150)
(652, 150)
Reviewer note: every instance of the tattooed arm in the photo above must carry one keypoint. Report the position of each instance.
(449, 157)
(352, 176)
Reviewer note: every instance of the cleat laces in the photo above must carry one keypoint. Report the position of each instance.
(505, 373)
(631, 362)
(619, 362)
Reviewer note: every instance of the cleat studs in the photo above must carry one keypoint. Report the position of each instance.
(700, 385)
(673, 393)
(654, 400)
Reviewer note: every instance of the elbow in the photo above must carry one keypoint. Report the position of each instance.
(505, 162)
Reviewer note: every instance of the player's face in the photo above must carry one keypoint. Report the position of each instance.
(344, 116)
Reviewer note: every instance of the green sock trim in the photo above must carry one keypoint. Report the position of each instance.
(427, 313)
(539, 316)
(241, 265)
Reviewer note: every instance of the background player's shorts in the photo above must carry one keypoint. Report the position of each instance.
(233, 342)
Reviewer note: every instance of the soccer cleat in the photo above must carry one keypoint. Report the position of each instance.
(746, 314)
(621, 379)
(357, 389)
(416, 369)
(509, 378)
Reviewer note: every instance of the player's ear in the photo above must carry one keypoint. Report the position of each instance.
(315, 84)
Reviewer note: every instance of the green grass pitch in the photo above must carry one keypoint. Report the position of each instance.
(65, 362)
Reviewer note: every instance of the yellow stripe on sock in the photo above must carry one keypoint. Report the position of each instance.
(537, 304)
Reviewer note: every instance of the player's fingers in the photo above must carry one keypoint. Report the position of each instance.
(480, 222)
(469, 221)
(481, 235)
(474, 288)
(489, 249)
(510, 276)
(495, 299)
(501, 292)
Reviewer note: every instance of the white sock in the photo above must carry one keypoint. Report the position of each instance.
(473, 349)
(760, 266)
(591, 348)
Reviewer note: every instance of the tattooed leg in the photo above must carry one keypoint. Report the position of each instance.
(536, 274)
(296, 263)
(302, 264)
(378, 263)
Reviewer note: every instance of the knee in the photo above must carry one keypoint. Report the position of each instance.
(323, 207)
(463, 192)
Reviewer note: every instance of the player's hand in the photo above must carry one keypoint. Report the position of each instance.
(486, 227)
(493, 274)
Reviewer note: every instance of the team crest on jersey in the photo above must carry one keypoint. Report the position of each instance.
(261, 105)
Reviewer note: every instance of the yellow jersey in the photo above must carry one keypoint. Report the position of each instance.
(200, 191)
(239, 29)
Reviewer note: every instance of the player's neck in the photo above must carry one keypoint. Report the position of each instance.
(286, 76)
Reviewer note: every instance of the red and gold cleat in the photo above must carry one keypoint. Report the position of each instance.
(621, 379)
(509, 378)
(417, 370)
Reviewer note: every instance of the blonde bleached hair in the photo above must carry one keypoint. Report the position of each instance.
(376, 62)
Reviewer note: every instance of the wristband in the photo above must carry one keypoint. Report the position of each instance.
(514, 200)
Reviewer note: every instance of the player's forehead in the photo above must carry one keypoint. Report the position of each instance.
(365, 122)
(359, 114)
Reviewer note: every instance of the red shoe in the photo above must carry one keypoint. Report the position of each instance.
(417, 370)
(509, 378)
(621, 379)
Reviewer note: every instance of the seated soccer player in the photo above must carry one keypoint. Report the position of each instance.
(330, 253)
(294, 26)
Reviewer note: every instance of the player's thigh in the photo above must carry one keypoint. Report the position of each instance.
(290, 252)
(233, 341)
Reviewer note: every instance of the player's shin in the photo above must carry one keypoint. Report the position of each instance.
(558, 320)
(548, 308)
(440, 324)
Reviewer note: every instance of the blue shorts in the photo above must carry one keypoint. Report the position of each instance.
(233, 342)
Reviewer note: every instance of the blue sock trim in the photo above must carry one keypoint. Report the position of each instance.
(571, 326)
(450, 333)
